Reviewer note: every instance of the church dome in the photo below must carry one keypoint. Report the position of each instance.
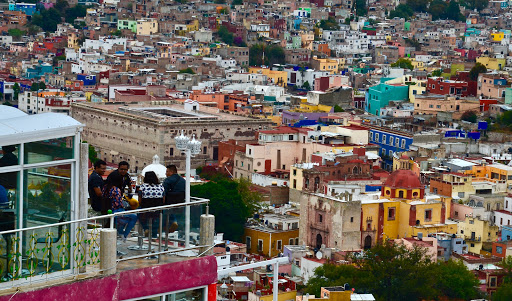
(403, 178)
(156, 167)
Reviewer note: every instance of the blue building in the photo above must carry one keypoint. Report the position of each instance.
(451, 243)
(28, 8)
(39, 71)
(506, 233)
(389, 142)
(89, 80)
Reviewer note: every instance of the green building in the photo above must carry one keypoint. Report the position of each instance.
(380, 95)
(127, 24)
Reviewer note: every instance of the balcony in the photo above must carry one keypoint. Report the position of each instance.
(85, 248)
(473, 238)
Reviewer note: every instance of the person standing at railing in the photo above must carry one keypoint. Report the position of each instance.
(95, 187)
(151, 194)
(113, 193)
(174, 186)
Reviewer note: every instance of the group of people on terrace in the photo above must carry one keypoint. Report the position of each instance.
(114, 194)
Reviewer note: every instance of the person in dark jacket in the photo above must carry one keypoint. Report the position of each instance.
(174, 186)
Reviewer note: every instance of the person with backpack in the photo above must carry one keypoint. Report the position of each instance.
(174, 186)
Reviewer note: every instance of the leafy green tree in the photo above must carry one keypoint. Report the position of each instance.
(220, 1)
(455, 281)
(225, 35)
(187, 70)
(232, 202)
(338, 109)
(274, 54)
(47, 19)
(437, 72)
(419, 6)
(474, 4)
(237, 2)
(306, 86)
(329, 24)
(61, 5)
(437, 9)
(360, 7)
(453, 12)
(403, 63)
(15, 33)
(402, 11)
(16, 89)
(77, 11)
(469, 116)
(476, 70)
(503, 293)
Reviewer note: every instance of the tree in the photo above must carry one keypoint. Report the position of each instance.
(237, 2)
(394, 272)
(231, 202)
(401, 11)
(77, 11)
(187, 70)
(47, 19)
(476, 70)
(15, 33)
(16, 89)
(274, 54)
(455, 281)
(338, 109)
(469, 116)
(437, 72)
(225, 35)
(453, 12)
(403, 63)
(306, 86)
(503, 293)
(474, 4)
(419, 6)
(360, 7)
(437, 9)
(329, 24)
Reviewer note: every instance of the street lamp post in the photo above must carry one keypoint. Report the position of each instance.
(190, 148)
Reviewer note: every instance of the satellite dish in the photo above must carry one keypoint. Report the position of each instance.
(319, 255)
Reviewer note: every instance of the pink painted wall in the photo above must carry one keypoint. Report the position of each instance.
(130, 284)
(461, 209)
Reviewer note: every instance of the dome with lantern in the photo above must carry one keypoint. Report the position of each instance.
(156, 167)
(403, 184)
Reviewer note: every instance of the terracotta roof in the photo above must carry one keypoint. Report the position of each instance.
(403, 179)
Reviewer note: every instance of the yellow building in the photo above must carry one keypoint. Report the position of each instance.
(330, 65)
(476, 232)
(269, 237)
(337, 293)
(403, 211)
(147, 27)
(193, 26)
(309, 108)
(418, 65)
(281, 296)
(491, 63)
(497, 36)
(279, 78)
(73, 40)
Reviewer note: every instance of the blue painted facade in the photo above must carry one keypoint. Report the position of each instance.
(451, 244)
(89, 80)
(389, 143)
(39, 71)
(506, 233)
(28, 8)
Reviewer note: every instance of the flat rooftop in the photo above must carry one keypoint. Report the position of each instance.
(166, 113)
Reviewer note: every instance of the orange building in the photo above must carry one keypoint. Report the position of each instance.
(223, 101)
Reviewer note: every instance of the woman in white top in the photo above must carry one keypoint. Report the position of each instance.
(151, 194)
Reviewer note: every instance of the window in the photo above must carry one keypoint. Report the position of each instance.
(290, 241)
(351, 219)
(472, 245)
(391, 213)
(438, 106)
(371, 136)
(290, 137)
(391, 140)
(428, 215)
(456, 213)
(492, 281)
(384, 139)
(297, 241)
(403, 143)
(260, 245)
(460, 195)
(279, 244)
(248, 242)
(377, 137)
(320, 218)
(171, 152)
